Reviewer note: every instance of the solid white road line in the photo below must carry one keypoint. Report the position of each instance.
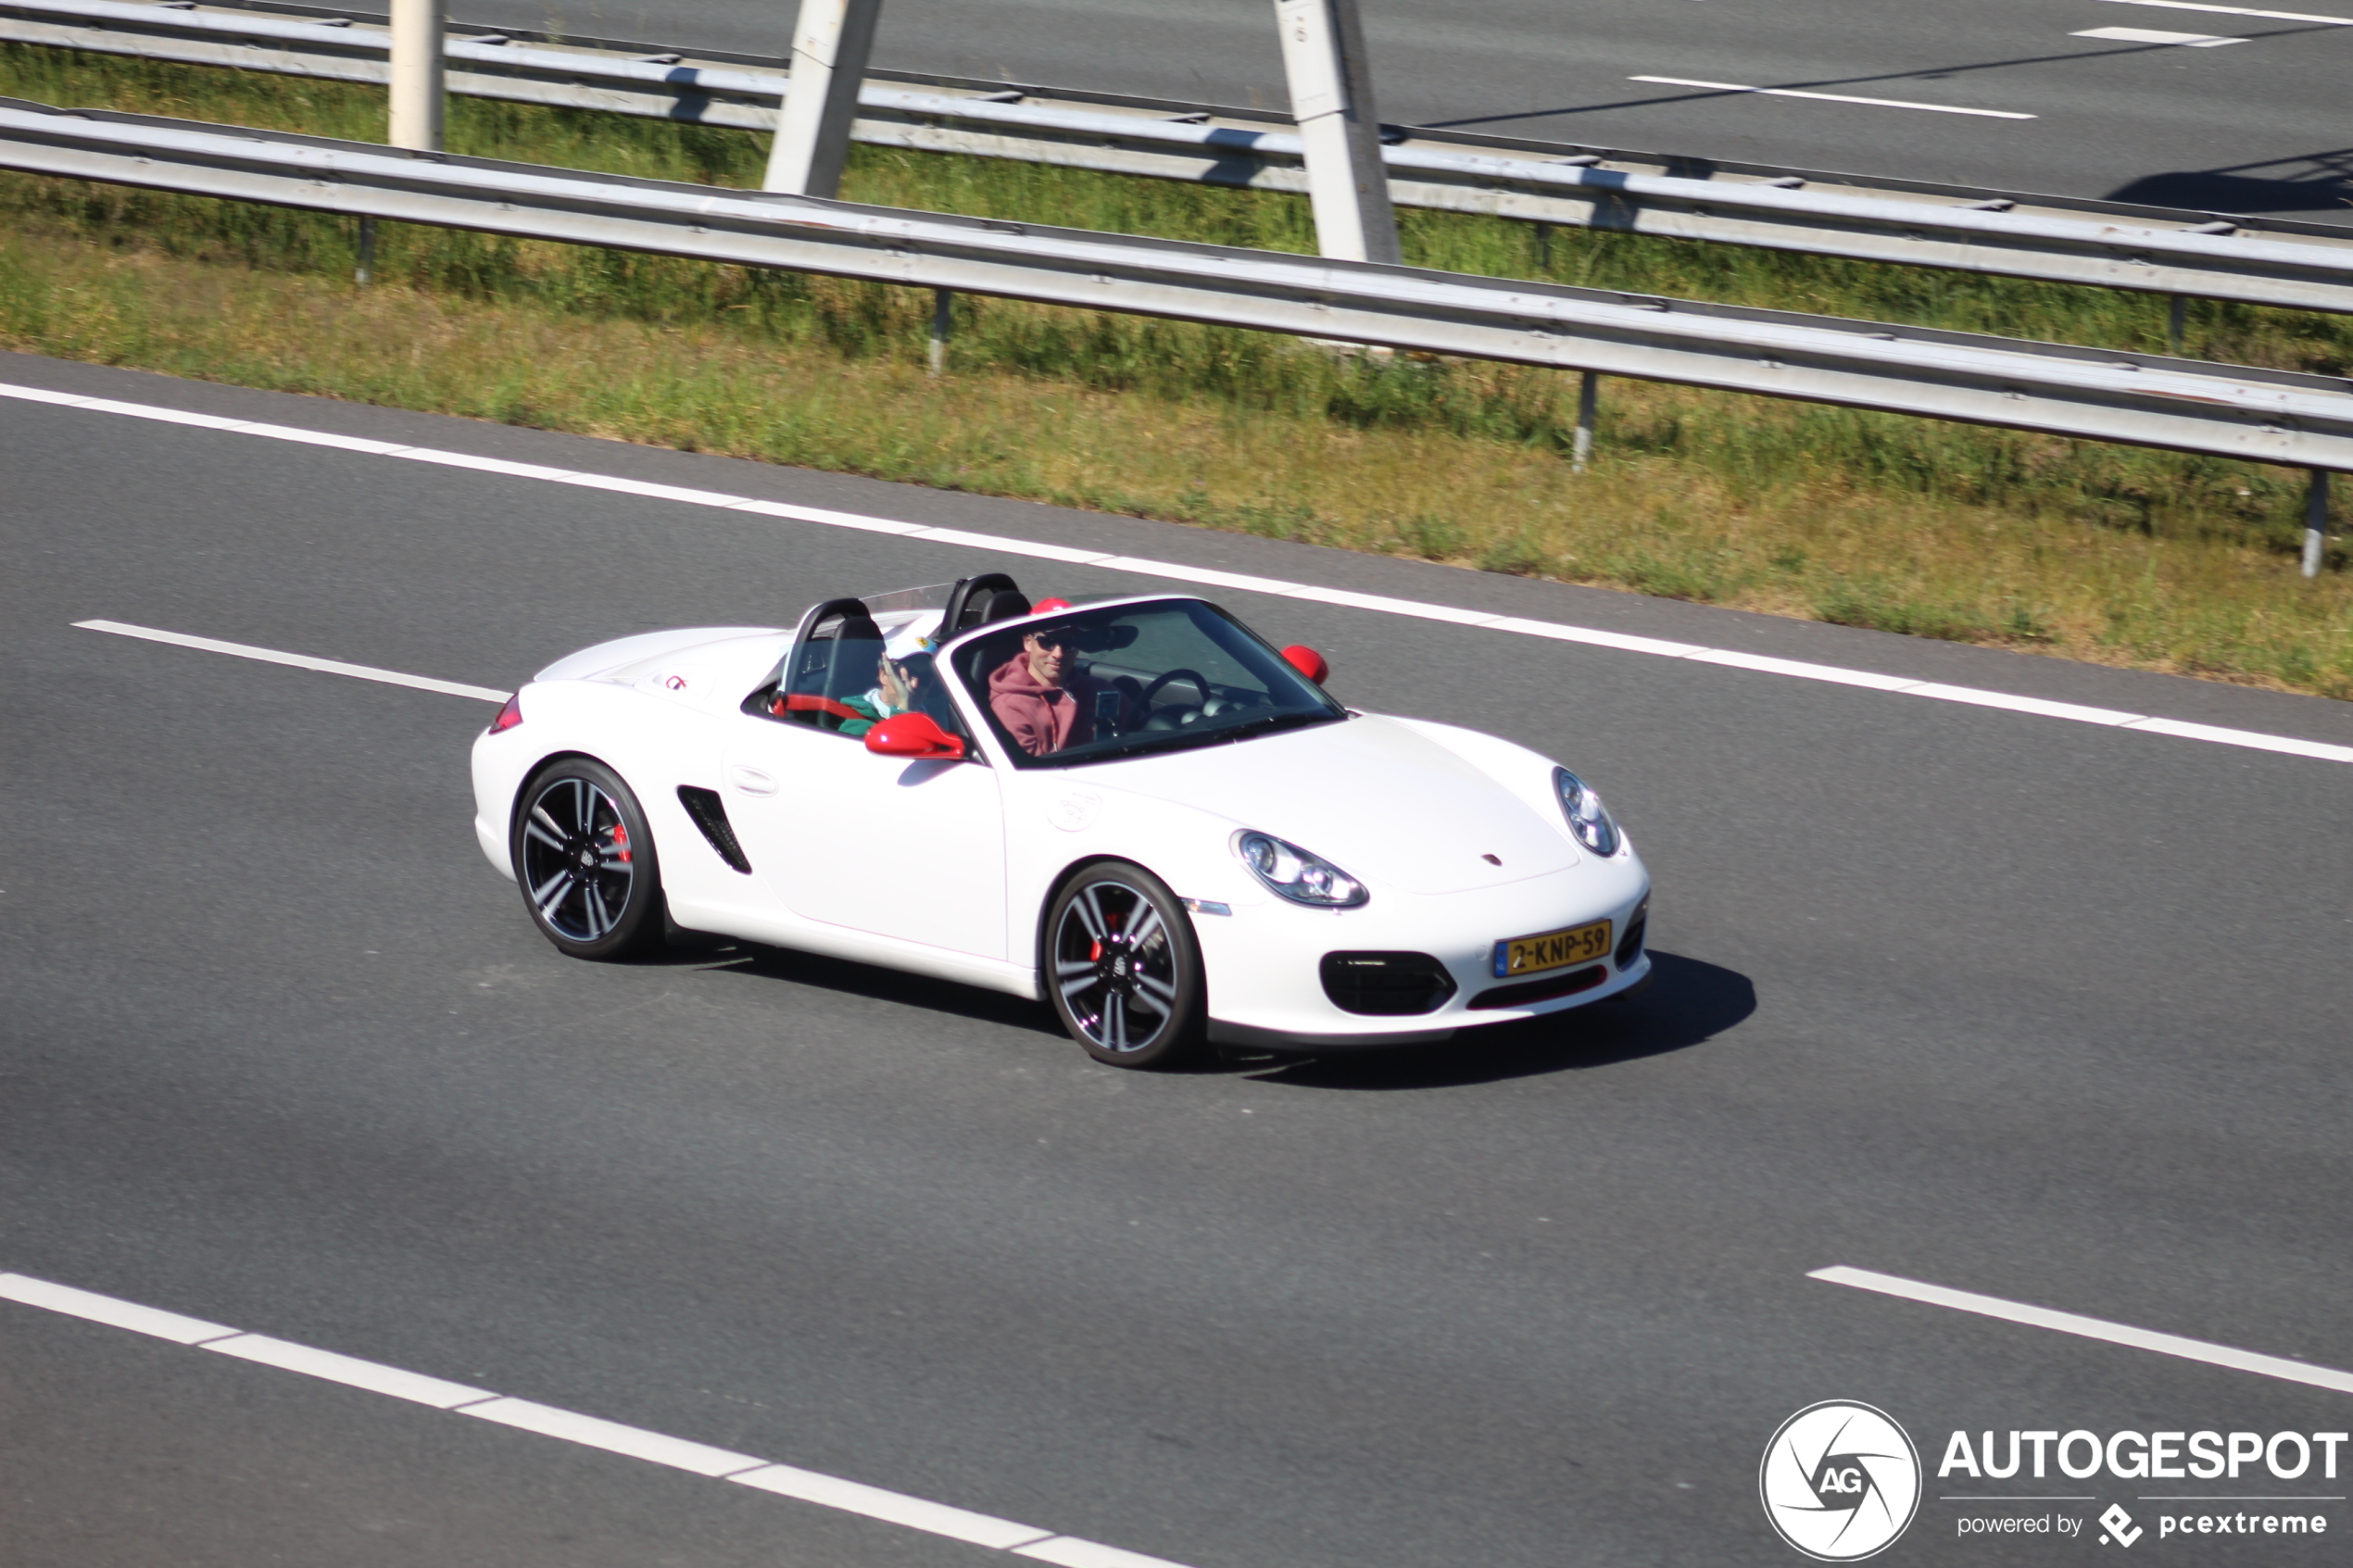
(588, 1431)
(936, 1518)
(2150, 35)
(1072, 1552)
(2240, 11)
(2091, 1328)
(1135, 565)
(349, 1371)
(299, 660)
(634, 1442)
(1831, 98)
(113, 1313)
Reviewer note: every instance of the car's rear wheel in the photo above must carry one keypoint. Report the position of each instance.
(584, 859)
(1122, 970)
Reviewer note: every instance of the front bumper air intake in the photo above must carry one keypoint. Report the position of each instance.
(1386, 984)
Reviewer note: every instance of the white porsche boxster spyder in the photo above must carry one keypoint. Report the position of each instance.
(1133, 810)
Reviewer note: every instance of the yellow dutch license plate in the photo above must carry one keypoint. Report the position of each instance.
(1528, 955)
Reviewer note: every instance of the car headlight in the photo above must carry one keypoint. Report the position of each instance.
(1587, 818)
(1293, 873)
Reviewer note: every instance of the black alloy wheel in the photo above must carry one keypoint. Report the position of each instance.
(584, 859)
(1123, 969)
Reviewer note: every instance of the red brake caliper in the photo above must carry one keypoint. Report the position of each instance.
(1095, 948)
(1095, 953)
(621, 840)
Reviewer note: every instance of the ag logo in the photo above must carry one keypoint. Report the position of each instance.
(1840, 1481)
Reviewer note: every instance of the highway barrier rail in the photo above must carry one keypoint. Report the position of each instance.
(2267, 261)
(2265, 416)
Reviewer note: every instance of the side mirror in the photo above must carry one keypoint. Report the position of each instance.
(1307, 661)
(913, 735)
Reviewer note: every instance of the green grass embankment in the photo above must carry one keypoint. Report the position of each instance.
(2106, 553)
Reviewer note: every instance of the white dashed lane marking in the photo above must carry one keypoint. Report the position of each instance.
(1133, 565)
(299, 660)
(2150, 35)
(588, 1431)
(2091, 1328)
(1831, 98)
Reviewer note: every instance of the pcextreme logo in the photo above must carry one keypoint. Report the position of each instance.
(1840, 1481)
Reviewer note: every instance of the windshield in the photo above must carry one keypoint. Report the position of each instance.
(1091, 684)
(930, 597)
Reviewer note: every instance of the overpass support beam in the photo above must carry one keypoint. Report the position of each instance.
(830, 42)
(419, 99)
(1332, 97)
(417, 89)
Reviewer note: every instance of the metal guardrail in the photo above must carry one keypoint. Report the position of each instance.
(2151, 250)
(2265, 416)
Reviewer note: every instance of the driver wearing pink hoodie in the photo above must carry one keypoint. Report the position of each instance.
(1041, 697)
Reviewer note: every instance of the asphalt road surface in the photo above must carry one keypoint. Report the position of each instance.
(2260, 122)
(2046, 1010)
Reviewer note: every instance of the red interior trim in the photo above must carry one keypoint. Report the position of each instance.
(801, 702)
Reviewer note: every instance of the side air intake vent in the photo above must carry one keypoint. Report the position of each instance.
(710, 814)
(1629, 946)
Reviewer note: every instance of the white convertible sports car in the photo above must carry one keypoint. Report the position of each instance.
(1132, 808)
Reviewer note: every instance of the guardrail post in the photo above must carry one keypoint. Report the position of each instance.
(417, 89)
(830, 42)
(1589, 398)
(2175, 320)
(1332, 97)
(943, 320)
(2316, 521)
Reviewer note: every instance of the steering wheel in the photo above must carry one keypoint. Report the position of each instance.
(1180, 672)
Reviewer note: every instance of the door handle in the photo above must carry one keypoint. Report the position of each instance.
(751, 781)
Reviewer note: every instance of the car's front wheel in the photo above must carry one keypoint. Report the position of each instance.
(1122, 970)
(584, 859)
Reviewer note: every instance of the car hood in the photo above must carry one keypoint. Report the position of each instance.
(1376, 796)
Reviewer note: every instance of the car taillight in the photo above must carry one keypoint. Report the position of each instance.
(508, 716)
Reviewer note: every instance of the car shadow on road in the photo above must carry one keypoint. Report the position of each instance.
(1687, 1002)
(850, 978)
